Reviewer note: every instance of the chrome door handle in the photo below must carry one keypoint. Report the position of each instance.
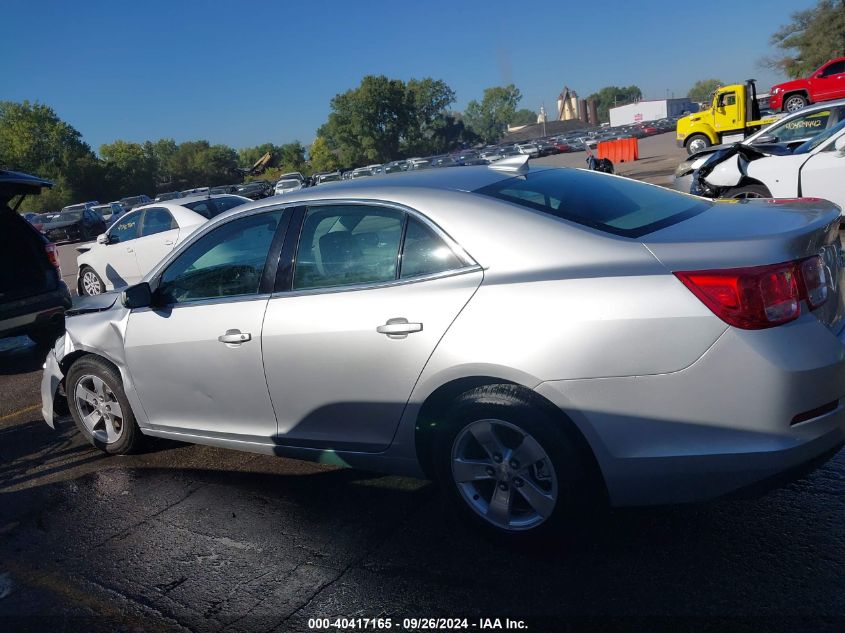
(168, 242)
(130, 250)
(399, 328)
(234, 337)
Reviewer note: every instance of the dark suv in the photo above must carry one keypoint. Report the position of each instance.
(33, 297)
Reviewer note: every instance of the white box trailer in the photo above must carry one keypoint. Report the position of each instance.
(642, 111)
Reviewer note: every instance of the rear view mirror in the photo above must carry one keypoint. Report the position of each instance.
(137, 296)
(102, 239)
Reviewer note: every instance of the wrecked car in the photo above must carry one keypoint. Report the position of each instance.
(812, 170)
(538, 340)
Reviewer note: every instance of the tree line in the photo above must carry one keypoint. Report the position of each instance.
(381, 119)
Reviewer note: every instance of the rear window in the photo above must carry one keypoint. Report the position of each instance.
(610, 204)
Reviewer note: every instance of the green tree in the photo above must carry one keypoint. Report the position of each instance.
(611, 96)
(813, 36)
(384, 119)
(489, 118)
(198, 164)
(131, 169)
(524, 116)
(703, 89)
(321, 157)
(291, 156)
(34, 139)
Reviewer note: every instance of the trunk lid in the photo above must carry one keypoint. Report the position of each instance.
(740, 233)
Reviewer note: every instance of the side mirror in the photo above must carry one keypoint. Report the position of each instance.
(137, 296)
(839, 146)
(766, 138)
(102, 238)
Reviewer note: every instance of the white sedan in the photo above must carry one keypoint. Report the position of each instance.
(813, 170)
(133, 245)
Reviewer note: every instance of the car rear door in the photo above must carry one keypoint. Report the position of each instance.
(822, 175)
(158, 234)
(352, 324)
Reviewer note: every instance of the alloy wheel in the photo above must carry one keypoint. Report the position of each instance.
(504, 475)
(91, 284)
(99, 409)
(793, 104)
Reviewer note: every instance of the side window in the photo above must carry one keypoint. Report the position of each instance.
(836, 68)
(346, 245)
(227, 262)
(425, 253)
(802, 127)
(156, 221)
(727, 99)
(126, 228)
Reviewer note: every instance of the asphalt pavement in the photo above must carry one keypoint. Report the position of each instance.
(195, 538)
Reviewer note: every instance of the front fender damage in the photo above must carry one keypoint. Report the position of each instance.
(102, 333)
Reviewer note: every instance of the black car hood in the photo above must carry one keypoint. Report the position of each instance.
(96, 303)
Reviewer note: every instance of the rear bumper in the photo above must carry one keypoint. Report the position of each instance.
(720, 426)
(21, 316)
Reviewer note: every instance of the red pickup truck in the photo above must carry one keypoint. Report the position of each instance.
(827, 83)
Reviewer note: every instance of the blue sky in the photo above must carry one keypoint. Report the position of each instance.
(245, 73)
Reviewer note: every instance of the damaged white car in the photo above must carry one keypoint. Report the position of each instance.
(814, 169)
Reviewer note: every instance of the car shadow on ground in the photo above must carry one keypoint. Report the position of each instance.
(19, 355)
(220, 540)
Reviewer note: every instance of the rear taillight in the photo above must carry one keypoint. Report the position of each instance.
(53, 256)
(760, 297)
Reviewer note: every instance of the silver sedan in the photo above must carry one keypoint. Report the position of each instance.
(537, 340)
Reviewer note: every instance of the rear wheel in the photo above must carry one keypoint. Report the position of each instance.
(793, 103)
(90, 283)
(100, 408)
(748, 191)
(508, 465)
(697, 143)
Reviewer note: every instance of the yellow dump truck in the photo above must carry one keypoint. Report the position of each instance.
(733, 114)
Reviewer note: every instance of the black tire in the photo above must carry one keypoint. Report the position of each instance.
(693, 143)
(753, 190)
(46, 336)
(128, 438)
(794, 102)
(95, 278)
(577, 494)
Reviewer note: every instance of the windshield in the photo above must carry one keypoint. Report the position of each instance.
(816, 141)
(68, 216)
(613, 205)
(288, 184)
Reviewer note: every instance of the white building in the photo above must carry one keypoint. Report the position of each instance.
(642, 111)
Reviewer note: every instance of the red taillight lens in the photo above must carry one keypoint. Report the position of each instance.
(53, 256)
(762, 296)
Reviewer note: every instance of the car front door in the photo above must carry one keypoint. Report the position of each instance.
(353, 324)
(830, 83)
(195, 355)
(159, 233)
(116, 260)
(727, 112)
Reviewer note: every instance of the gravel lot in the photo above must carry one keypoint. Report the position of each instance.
(196, 538)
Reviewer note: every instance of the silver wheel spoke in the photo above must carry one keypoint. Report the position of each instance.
(470, 470)
(114, 409)
(91, 420)
(542, 502)
(528, 452)
(499, 510)
(483, 432)
(98, 387)
(111, 434)
(84, 394)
